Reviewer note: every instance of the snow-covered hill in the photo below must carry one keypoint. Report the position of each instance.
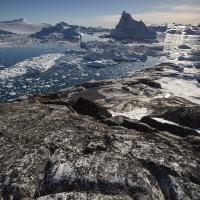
(21, 26)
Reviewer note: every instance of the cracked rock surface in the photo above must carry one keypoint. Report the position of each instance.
(123, 139)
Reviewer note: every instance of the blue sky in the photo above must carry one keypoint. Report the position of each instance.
(105, 13)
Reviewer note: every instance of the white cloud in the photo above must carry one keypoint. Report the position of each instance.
(168, 17)
(187, 8)
(185, 14)
(178, 14)
(110, 18)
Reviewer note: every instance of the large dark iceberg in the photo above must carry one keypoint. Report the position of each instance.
(128, 28)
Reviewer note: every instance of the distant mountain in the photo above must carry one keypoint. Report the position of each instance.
(128, 28)
(21, 26)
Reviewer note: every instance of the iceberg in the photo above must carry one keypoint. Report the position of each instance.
(75, 51)
(128, 28)
(174, 28)
(101, 63)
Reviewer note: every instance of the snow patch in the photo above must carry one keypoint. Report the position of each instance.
(136, 113)
(170, 122)
(187, 89)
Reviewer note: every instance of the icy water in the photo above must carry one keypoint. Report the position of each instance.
(57, 77)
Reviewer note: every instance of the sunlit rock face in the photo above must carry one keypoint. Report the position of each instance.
(128, 28)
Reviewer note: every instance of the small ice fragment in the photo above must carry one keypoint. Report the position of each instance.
(97, 74)
(12, 93)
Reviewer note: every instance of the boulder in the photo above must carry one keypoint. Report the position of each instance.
(91, 108)
(186, 116)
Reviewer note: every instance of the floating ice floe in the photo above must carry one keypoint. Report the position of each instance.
(31, 66)
(121, 52)
(115, 54)
(68, 64)
(194, 55)
(177, 29)
(183, 46)
(101, 63)
(75, 51)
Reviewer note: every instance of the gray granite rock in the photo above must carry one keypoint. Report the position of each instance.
(51, 150)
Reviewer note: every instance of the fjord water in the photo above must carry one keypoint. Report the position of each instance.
(57, 77)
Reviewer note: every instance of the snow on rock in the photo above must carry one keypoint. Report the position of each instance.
(101, 63)
(30, 66)
(21, 26)
(181, 87)
(136, 113)
(128, 28)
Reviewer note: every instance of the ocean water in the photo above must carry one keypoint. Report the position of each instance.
(57, 77)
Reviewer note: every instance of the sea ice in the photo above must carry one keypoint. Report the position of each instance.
(101, 63)
(75, 51)
(177, 29)
(30, 66)
(68, 64)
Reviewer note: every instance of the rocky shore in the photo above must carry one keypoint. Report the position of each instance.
(131, 138)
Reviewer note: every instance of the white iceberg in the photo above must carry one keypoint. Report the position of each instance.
(101, 63)
(75, 51)
(128, 28)
(69, 64)
(114, 52)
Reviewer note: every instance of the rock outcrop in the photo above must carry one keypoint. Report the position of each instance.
(128, 28)
(53, 146)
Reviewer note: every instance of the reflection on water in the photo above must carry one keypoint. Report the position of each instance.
(176, 40)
